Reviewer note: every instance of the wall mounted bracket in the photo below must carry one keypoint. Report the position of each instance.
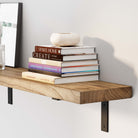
(10, 96)
(56, 99)
(105, 116)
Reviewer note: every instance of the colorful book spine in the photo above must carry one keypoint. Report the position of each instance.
(47, 56)
(81, 71)
(48, 50)
(81, 66)
(64, 74)
(45, 72)
(54, 69)
(43, 67)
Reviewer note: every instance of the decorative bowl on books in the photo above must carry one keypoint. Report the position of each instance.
(65, 39)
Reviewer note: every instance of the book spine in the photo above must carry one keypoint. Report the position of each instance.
(81, 66)
(46, 62)
(47, 56)
(81, 71)
(48, 50)
(38, 77)
(44, 72)
(44, 67)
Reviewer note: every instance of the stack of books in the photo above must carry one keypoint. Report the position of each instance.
(58, 65)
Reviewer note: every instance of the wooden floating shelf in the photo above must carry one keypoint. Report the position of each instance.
(81, 93)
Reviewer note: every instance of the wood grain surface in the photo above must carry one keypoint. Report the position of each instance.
(84, 92)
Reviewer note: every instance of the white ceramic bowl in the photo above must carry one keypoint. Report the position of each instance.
(64, 39)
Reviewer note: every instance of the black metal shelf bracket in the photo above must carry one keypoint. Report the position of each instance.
(56, 99)
(10, 96)
(105, 116)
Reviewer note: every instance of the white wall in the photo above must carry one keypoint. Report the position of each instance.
(110, 24)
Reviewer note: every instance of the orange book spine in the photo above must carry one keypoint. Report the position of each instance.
(81, 66)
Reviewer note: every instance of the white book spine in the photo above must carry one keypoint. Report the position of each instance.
(45, 62)
(39, 77)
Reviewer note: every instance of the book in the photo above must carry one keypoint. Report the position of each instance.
(57, 80)
(72, 57)
(63, 74)
(64, 50)
(43, 67)
(57, 69)
(63, 64)
(45, 72)
(47, 56)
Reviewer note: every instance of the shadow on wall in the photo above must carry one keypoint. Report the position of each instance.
(111, 69)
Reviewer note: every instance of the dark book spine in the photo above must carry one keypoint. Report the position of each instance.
(45, 72)
(48, 50)
(47, 56)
